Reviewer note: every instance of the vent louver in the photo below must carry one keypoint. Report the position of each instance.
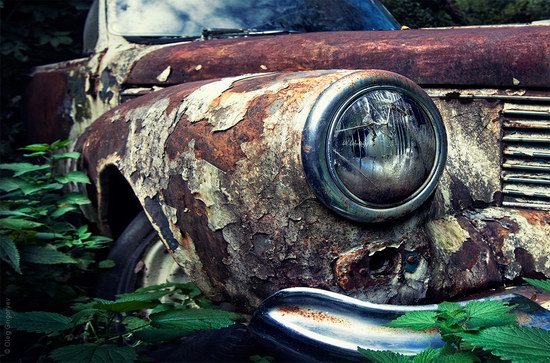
(526, 154)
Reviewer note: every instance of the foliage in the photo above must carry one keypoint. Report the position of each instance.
(47, 254)
(518, 344)
(38, 234)
(434, 13)
(478, 331)
(99, 332)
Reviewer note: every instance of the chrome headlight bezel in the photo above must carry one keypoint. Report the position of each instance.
(330, 105)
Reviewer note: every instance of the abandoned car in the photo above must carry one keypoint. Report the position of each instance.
(276, 144)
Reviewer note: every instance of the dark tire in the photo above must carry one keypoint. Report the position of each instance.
(232, 344)
(126, 252)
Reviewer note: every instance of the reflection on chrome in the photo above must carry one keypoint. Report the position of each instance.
(383, 147)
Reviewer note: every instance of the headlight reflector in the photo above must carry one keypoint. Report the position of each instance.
(374, 146)
(382, 147)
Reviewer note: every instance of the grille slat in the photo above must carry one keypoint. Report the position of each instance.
(525, 172)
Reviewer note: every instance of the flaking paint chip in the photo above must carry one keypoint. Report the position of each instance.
(199, 67)
(515, 81)
(163, 76)
(264, 67)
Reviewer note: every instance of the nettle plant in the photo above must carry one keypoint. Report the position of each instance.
(50, 255)
(110, 331)
(41, 238)
(480, 331)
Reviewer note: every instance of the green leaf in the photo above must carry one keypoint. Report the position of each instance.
(427, 356)
(188, 288)
(94, 353)
(9, 184)
(452, 313)
(9, 253)
(68, 155)
(485, 314)
(518, 344)
(450, 308)
(35, 154)
(73, 177)
(142, 296)
(74, 198)
(383, 356)
(193, 319)
(543, 285)
(31, 188)
(487, 309)
(18, 223)
(59, 144)
(23, 168)
(83, 316)
(459, 357)
(106, 264)
(62, 211)
(36, 147)
(37, 321)
(134, 323)
(125, 306)
(19, 212)
(415, 320)
(133, 301)
(45, 255)
(503, 320)
(46, 235)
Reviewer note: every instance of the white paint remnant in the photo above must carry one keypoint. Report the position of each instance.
(209, 102)
(264, 67)
(198, 67)
(163, 76)
(447, 234)
(515, 81)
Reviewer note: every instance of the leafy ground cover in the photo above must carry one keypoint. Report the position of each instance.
(481, 331)
(48, 257)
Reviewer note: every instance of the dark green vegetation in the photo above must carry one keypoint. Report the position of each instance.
(481, 331)
(42, 239)
(49, 260)
(435, 13)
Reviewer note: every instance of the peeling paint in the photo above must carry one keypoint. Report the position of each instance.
(224, 160)
(447, 234)
(163, 76)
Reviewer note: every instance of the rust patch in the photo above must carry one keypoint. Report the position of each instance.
(427, 56)
(360, 270)
(47, 115)
(535, 217)
(221, 149)
(318, 316)
(192, 220)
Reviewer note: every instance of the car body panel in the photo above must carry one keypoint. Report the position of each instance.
(484, 56)
(216, 165)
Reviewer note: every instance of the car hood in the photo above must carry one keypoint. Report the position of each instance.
(482, 56)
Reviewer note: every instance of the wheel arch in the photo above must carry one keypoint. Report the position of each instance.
(118, 205)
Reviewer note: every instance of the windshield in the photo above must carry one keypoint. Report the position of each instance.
(188, 18)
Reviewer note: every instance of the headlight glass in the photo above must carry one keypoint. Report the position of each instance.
(381, 148)
(374, 146)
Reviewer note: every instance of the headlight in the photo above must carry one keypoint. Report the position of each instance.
(374, 146)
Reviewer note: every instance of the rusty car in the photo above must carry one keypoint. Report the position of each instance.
(253, 146)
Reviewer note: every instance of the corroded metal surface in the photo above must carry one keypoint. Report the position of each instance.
(47, 112)
(500, 56)
(217, 167)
